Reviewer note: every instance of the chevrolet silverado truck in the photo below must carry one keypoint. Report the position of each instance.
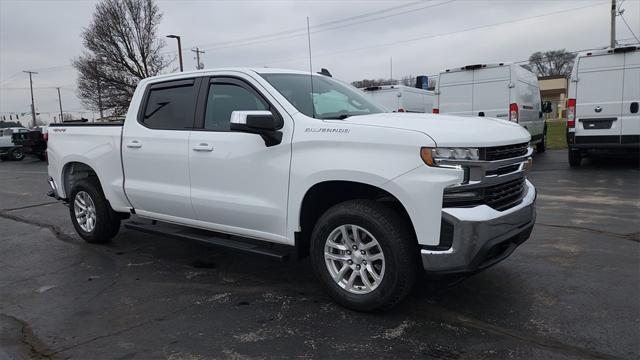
(289, 164)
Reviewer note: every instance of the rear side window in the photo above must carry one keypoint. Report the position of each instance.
(170, 105)
(225, 98)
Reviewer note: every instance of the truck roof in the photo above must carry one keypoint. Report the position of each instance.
(246, 70)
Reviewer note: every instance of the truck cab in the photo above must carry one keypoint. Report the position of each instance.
(602, 105)
(505, 91)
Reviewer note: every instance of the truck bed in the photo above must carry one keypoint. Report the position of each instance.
(94, 144)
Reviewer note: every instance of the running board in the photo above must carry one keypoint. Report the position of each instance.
(209, 238)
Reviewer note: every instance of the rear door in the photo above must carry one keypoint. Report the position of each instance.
(630, 119)
(155, 152)
(491, 92)
(599, 97)
(456, 93)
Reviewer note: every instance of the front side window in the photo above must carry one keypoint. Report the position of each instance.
(330, 99)
(225, 98)
(170, 105)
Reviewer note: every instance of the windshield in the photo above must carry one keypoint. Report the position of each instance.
(331, 99)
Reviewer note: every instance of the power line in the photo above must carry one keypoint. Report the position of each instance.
(38, 88)
(303, 30)
(290, 36)
(436, 35)
(629, 27)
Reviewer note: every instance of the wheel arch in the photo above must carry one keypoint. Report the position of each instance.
(323, 195)
(73, 171)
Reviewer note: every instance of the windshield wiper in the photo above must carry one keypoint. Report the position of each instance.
(339, 117)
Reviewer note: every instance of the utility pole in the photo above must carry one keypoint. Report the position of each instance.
(60, 103)
(613, 24)
(199, 66)
(33, 106)
(391, 68)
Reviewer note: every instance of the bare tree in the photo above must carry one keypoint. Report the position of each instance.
(121, 49)
(553, 62)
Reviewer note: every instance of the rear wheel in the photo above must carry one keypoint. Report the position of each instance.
(91, 215)
(364, 254)
(17, 154)
(575, 157)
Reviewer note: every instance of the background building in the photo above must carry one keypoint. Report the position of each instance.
(554, 88)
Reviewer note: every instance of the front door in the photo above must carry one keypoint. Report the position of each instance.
(238, 184)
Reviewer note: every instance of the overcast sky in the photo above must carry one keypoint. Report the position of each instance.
(422, 37)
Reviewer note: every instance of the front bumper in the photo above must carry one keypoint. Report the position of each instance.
(482, 236)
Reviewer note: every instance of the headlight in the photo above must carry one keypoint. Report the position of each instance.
(430, 156)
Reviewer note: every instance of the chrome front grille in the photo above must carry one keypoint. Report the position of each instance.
(503, 152)
(504, 196)
(498, 183)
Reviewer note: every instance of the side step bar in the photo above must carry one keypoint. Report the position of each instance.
(208, 238)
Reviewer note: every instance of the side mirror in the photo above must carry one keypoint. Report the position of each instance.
(260, 122)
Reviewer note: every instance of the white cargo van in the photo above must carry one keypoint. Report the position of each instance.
(505, 91)
(602, 105)
(402, 98)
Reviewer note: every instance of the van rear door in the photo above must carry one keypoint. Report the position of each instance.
(456, 93)
(599, 98)
(491, 92)
(630, 119)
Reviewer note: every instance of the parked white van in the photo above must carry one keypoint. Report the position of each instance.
(400, 98)
(505, 91)
(602, 105)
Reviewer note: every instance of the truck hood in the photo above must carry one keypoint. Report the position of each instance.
(450, 131)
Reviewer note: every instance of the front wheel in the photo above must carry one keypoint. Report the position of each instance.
(365, 255)
(91, 214)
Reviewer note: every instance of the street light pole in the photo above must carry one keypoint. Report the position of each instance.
(179, 49)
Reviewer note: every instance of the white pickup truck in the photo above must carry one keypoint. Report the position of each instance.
(289, 164)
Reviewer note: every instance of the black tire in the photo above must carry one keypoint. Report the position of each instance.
(17, 154)
(575, 158)
(4, 157)
(42, 156)
(398, 244)
(542, 145)
(107, 221)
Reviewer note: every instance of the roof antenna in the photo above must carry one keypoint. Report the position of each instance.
(313, 105)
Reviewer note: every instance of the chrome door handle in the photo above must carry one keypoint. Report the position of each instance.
(203, 147)
(135, 144)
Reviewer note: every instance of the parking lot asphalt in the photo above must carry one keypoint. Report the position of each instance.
(571, 291)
